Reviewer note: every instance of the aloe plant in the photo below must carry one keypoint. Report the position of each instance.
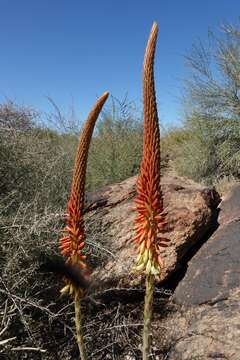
(73, 241)
(150, 221)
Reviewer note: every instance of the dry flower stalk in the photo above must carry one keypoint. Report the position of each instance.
(73, 241)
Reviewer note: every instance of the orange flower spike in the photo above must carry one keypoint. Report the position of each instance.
(73, 241)
(149, 203)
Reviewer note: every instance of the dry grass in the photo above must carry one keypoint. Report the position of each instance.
(225, 184)
(35, 322)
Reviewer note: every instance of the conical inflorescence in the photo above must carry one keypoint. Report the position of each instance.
(73, 241)
(150, 221)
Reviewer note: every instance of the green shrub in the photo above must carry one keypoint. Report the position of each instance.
(35, 163)
(207, 149)
(211, 149)
(116, 147)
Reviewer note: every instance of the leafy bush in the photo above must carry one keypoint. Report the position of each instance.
(210, 144)
(35, 167)
(207, 149)
(116, 148)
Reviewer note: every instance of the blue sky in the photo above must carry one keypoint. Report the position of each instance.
(74, 50)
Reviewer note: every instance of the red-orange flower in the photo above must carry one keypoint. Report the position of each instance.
(73, 242)
(150, 221)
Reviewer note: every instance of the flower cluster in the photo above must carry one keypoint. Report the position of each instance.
(73, 241)
(150, 222)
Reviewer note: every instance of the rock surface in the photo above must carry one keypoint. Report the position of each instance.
(230, 206)
(191, 212)
(215, 270)
(206, 332)
(206, 325)
(204, 321)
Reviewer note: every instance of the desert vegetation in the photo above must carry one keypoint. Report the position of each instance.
(207, 147)
(36, 165)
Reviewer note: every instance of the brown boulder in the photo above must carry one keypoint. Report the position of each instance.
(190, 207)
(214, 271)
(206, 325)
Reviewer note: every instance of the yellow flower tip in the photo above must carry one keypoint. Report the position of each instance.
(70, 289)
(138, 268)
(148, 263)
(65, 289)
(148, 267)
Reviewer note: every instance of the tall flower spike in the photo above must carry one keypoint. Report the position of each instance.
(150, 221)
(73, 241)
(149, 203)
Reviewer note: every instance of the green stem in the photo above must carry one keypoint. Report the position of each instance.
(147, 317)
(78, 323)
